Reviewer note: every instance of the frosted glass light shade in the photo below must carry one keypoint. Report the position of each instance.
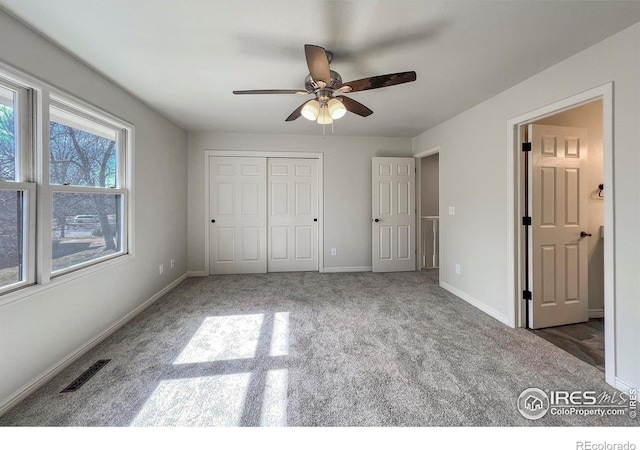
(310, 110)
(336, 108)
(324, 116)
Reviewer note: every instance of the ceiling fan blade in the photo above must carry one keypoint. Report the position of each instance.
(271, 91)
(295, 114)
(354, 106)
(380, 81)
(318, 64)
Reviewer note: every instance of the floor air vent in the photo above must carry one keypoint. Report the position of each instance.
(82, 379)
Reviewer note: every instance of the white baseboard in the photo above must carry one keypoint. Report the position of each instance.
(36, 383)
(197, 273)
(596, 313)
(477, 303)
(624, 386)
(347, 269)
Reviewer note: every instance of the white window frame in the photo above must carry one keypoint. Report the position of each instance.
(91, 115)
(33, 169)
(23, 181)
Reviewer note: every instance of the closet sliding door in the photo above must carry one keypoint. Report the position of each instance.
(263, 214)
(238, 215)
(293, 215)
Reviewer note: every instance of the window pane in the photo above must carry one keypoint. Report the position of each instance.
(83, 152)
(7, 135)
(85, 227)
(11, 240)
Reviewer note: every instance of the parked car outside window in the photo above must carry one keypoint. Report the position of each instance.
(85, 218)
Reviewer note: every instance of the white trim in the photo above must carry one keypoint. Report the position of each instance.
(624, 386)
(197, 273)
(476, 303)
(65, 362)
(347, 269)
(34, 289)
(514, 233)
(265, 154)
(429, 152)
(596, 313)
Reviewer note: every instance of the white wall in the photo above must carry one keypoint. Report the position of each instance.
(39, 331)
(347, 187)
(473, 162)
(589, 116)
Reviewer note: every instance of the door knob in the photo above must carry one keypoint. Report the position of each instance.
(584, 234)
(315, 220)
(213, 220)
(376, 220)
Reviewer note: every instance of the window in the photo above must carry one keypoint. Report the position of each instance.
(77, 159)
(17, 192)
(89, 195)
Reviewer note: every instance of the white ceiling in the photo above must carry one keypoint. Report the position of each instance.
(184, 57)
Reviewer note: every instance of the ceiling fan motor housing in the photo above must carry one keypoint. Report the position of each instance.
(311, 86)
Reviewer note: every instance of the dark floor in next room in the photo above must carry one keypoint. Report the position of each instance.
(583, 340)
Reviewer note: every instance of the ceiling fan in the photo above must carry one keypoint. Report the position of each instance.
(327, 86)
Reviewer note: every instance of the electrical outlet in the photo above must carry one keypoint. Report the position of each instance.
(334, 252)
(452, 210)
(161, 269)
(458, 269)
(173, 263)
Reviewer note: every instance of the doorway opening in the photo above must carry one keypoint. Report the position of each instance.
(571, 319)
(428, 212)
(592, 338)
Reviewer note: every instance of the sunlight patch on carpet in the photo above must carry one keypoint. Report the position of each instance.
(274, 403)
(223, 338)
(216, 401)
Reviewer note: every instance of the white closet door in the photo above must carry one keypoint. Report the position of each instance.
(238, 222)
(292, 214)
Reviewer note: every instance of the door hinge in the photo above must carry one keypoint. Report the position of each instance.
(526, 295)
(526, 221)
(526, 146)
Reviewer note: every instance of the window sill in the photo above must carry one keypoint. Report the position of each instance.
(34, 289)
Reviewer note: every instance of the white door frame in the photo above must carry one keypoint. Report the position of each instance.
(259, 154)
(515, 230)
(418, 156)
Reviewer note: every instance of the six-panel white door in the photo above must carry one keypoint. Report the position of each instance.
(393, 208)
(292, 214)
(559, 215)
(238, 222)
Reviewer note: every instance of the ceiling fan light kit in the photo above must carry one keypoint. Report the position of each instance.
(324, 83)
(310, 110)
(336, 108)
